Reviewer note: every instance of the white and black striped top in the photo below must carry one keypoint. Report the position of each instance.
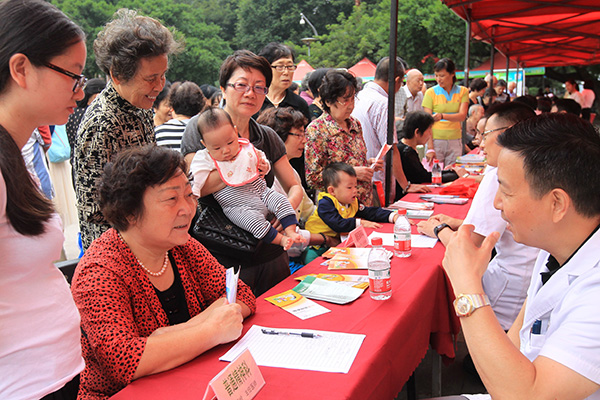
(169, 134)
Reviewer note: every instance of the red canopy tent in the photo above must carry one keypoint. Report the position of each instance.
(364, 69)
(499, 63)
(303, 69)
(536, 33)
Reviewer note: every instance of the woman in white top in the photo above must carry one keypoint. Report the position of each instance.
(42, 55)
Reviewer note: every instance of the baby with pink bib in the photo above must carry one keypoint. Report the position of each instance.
(246, 200)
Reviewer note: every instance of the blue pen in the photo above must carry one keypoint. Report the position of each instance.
(536, 328)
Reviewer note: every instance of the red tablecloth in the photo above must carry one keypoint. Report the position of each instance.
(398, 332)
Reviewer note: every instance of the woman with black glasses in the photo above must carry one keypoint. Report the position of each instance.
(281, 59)
(42, 55)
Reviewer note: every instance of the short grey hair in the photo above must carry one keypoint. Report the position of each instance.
(473, 109)
(129, 37)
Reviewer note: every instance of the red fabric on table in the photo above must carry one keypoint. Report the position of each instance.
(398, 333)
(461, 187)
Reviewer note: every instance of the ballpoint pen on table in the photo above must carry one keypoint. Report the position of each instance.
(302, 334)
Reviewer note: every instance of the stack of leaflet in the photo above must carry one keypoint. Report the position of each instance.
(414, 210)
(325, 290)
(444, 199)
(357, 281)
(474, 163)
(410, 205)
(347, 257)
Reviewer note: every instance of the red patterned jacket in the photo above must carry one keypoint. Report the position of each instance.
(120, 309)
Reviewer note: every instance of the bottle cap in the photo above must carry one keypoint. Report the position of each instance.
(401, 211)
(377, 241)
(435, 160)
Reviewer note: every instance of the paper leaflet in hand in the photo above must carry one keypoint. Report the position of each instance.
(382, 152)
(231, 284)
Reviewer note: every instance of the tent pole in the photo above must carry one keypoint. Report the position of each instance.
(467, 47)
(507, 68)
(391, 96)
(491, 82)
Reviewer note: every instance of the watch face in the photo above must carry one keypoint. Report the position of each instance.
(463, 306)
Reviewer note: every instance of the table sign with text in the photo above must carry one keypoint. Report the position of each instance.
(240, 380)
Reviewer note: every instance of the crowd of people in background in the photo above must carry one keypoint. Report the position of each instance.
(143, 150)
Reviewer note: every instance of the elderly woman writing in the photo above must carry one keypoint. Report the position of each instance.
(133, 50)
(150, 297)
(337, 137)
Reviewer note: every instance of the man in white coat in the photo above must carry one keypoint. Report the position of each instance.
(548, 194)
(507, 277)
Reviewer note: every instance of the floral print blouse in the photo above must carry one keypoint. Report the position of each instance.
(327, 142)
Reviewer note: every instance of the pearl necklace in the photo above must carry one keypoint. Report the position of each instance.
(155, 274)
(276, 103)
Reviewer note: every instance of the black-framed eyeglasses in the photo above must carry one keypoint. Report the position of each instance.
(281, 68)
(80, 80)
(244, 88)
(485, 133)
(301, 136)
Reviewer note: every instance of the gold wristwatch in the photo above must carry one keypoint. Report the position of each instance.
(466, 304)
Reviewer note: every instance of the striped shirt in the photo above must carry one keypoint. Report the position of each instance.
(169, 134)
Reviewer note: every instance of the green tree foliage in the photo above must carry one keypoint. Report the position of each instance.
(204, 51)
(364, 33)
(261, 22)
(425, 27)
(211, 29)
(221, 13)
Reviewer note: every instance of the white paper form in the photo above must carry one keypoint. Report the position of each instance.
(417, 240)
(332, 352)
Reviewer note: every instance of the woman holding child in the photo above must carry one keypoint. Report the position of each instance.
(244, 79)
(150, 297)
(337, 137)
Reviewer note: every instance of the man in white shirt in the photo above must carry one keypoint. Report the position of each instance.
(371, 110)
(588, 99)
(548, 194)
(507, 277)
(410, 97)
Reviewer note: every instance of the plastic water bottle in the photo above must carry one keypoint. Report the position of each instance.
(436, 172)
(380, 282)
(402, 236)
